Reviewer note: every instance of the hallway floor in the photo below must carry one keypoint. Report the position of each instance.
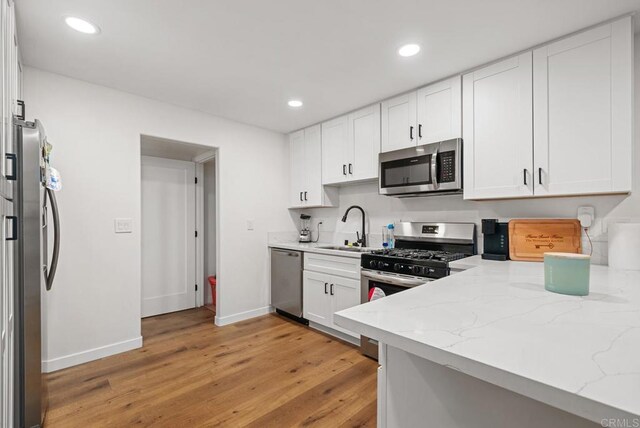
(263, 372)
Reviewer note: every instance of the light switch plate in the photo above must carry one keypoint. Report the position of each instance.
(249, 224)
(123, 225)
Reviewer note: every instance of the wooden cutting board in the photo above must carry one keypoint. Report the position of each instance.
(529, 239)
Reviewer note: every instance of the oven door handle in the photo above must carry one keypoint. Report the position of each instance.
(394, 280)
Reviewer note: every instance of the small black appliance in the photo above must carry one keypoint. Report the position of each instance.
(496, 240)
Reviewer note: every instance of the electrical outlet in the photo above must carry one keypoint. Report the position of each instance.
(123, 225)
(586, 216)
(249, 224)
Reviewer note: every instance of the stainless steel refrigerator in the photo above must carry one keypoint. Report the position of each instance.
(34, 205)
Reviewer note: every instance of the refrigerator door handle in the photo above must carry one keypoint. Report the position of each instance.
(50, 272)
(14, 228)
(11, 157)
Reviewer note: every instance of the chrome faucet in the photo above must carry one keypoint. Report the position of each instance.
(362, 239)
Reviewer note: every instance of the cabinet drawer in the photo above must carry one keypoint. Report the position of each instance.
(347, 267)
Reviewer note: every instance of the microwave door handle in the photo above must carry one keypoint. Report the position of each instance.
(434, 169)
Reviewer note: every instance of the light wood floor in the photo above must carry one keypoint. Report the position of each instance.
(263, 372)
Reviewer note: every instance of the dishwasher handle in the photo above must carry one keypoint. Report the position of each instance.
(394, 279)
(287, 253)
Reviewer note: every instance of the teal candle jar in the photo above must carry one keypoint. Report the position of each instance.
(567, 273)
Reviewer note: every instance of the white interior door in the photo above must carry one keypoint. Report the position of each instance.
(168, 235)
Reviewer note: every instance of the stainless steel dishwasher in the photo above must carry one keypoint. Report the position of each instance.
(286, 283)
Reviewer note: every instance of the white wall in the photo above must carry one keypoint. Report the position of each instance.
(94, 307)
(209, 190)
(383, 210)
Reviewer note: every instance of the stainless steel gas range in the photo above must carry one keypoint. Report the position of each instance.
(422, 253)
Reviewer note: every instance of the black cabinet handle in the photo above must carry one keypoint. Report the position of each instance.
(420, 130)
(21, 116)
(411, 132)
(540, 176)
(305, 196)
(300, 196)
(14, 160)
(350, 169)
(14, 228)
(524, 173)
(344, 170)
(331, 289)
(325, 287)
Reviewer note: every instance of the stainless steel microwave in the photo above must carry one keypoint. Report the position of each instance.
(434, 168)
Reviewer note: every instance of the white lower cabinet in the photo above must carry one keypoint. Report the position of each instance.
(324, 294)
(315, 301)
(344, 293)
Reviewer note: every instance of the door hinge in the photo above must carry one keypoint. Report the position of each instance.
(196, 287)
(196, 233)
(196, 180)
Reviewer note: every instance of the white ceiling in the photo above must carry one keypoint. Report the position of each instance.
(243, 59)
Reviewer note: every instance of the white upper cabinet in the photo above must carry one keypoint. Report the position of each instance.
(582, 98)
(498, 154)
(364, 143)
(297, 173)
(430, 114)
(554, 122)
(350, 146)
(305, 151)
(440, 111)
(313, 192)
(399, 122)
(335, 152)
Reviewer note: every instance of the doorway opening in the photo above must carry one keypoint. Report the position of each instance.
(178, 226)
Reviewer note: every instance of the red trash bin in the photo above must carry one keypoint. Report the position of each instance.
(212, 283)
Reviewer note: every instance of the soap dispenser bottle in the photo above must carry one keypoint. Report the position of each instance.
(391, 237)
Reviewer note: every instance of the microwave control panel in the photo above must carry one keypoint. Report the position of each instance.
(447, 166)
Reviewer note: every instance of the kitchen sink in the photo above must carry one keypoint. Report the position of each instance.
(344, 248)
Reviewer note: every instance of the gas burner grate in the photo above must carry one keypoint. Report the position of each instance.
(413, 254)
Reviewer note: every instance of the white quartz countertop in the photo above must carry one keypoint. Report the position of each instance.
(315, 248)
(496, 322)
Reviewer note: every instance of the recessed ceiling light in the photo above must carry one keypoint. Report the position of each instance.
(81, 25)
(409, 50)
(295, 103)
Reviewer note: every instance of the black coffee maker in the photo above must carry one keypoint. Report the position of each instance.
(496, 240)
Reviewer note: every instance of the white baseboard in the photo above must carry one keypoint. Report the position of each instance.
(230, 319)
(70, 360)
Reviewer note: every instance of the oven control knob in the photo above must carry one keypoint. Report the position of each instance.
(381, 265)
(372, 264)
(397, 267)
(416, 270)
